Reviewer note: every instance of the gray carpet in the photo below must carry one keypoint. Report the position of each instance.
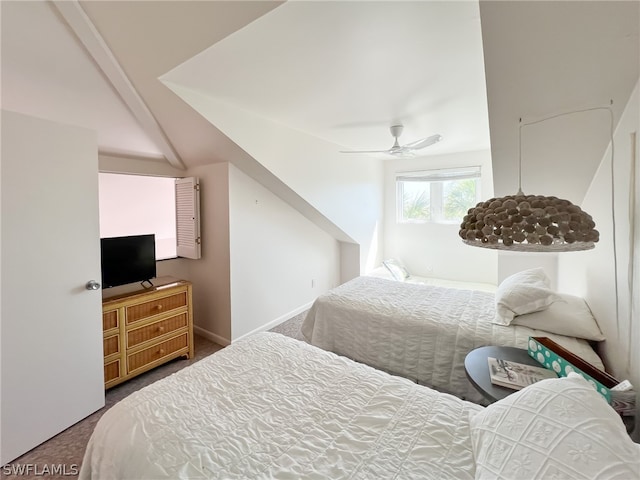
(66, 449)
(291, 328)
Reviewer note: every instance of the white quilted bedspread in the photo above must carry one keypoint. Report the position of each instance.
(417, 331)
(273, 407)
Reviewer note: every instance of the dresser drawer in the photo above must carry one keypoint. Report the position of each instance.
(156, 329)
(111, 345)
(144, 327)
(144, 310)
(156, 352)
(110, 320)
(112, 371)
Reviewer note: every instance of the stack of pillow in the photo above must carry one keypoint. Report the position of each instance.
(526, 299)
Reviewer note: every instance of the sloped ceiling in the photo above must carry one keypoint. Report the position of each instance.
(46, 73)
(353, 68)
(345, 72)
(150, 38)
(342, 71)
(544, 58)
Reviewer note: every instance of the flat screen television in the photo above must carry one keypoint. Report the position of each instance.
(127, 259)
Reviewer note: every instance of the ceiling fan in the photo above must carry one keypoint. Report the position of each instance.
(402, 150)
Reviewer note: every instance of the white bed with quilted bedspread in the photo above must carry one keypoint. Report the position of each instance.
(271, 407)
(421, 332)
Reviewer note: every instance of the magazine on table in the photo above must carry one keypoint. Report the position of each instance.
(516, 375)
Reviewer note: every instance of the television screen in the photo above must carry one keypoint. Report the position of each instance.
(127, 259)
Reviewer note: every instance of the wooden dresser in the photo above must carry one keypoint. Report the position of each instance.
(145, 327)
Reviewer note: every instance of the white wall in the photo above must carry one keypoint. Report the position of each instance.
(272, 267)
(513, 262)
(436, 250)
(591, 273)
(210, 274)
(347, 190)
(138, 166)
(280, 261)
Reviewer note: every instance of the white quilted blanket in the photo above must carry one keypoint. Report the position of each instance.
(417, 331)
(273, 407)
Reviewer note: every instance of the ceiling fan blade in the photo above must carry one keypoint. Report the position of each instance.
(402, 152)
(364, 151)
(425, 142)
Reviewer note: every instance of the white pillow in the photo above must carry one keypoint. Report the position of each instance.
(569, 316)
(523, 292)
(396, 269)
(557, 428)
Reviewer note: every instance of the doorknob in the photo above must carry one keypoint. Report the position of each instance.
(92, 285)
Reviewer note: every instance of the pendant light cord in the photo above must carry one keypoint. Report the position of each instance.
(613, 210)
(631, 278)
(551, 117)
(520, 157)
(613, 222)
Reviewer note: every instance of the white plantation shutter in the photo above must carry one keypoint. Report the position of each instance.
(188, 217)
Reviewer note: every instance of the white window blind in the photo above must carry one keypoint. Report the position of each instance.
(188, 217)
(440, 175)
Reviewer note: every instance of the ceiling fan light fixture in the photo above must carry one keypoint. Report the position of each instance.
(396, 130)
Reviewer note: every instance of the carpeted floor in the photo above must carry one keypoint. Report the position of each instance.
(291, 328)
(64, 452)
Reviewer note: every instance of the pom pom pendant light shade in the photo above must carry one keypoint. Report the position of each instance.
(530, 223)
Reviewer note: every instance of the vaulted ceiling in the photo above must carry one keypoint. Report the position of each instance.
(341, 71)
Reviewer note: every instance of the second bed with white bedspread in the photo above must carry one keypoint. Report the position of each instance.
(416, 331)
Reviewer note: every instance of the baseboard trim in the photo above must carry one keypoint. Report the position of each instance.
(277, 321)
(211, 336)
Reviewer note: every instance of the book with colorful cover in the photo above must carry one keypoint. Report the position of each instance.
(507, 373)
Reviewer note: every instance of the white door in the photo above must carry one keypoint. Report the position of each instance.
(51, 325)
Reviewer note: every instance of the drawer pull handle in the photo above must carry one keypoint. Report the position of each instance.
(158, 307)
(160, 329)
(161, 351)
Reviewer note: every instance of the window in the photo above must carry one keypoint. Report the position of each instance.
(437, 196)
(166, 207)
